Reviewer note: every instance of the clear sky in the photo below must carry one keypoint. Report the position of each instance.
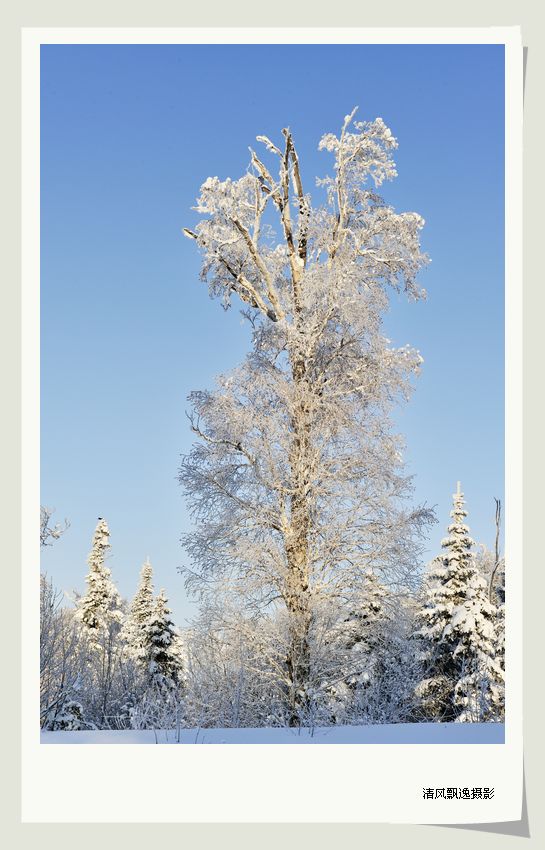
(128, 135)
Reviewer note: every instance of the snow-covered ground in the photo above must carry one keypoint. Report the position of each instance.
(401, 733)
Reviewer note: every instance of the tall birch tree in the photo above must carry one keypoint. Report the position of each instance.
(296, 482)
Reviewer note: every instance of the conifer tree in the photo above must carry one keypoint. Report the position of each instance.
(364, 620)
(463, 679)
(100, 613)
(141, 609)
(100, 609)
(357, 648)
(162, 650)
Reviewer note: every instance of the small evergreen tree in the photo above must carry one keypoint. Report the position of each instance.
(463, 678)
(160, 663)
(162, 649)
(357, 644)
(141, 609)
(69, 718)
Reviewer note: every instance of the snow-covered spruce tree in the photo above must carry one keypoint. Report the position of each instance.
(354, 644)
(463, 680)
(371, 670)
(297, 484)
(162, 646)
(389, 696)
(133, 638)
(142, 607)
(160, 660)
(100, 614)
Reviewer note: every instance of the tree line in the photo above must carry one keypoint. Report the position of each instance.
(387, 657)
(105, 664)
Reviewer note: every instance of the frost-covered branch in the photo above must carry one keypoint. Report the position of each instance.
(50, 533)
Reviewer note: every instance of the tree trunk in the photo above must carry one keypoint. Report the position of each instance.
(297, 590)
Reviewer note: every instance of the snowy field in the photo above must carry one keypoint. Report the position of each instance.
(401, 733)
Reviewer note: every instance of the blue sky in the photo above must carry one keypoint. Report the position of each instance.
(128, 135)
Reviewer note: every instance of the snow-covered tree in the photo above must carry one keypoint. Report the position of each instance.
(492, 567)
(100, 613)
(159, 659)
(498, 599)
(363, 668)
(297, 484)
(69, 717)
(60, 658)
(162, 647)
(61, 661)
(235, 668)
(389, 696)
(100, 609)
(356, 645)
(234, 665)
(141, 609)
(463, 679)
(371, 664)
(152, 666)
(361, 628)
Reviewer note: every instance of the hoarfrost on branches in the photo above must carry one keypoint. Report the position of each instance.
(296, 484)
(50, 533)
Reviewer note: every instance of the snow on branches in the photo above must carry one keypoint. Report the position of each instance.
(458, 633)
(102, 666)
(296, 483)
(355, 241)
(100, 609)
